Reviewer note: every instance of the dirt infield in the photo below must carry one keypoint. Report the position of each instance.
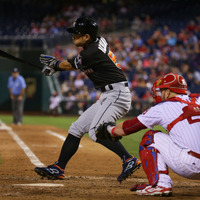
(90, 174)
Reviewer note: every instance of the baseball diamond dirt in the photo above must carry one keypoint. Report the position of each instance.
(91, 174)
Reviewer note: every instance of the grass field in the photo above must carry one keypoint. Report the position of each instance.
(130, 142)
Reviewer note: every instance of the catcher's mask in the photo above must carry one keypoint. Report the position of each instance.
(174, 82)
(84, 26)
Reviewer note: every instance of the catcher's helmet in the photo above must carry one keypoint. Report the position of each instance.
(174, 82)
(84, 26)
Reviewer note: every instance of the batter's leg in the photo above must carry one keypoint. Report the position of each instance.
(69, 148)
(76, 131)
(111, 110)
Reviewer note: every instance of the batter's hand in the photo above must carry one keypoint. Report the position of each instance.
(102, 132)
(49, 61)
(48, 71)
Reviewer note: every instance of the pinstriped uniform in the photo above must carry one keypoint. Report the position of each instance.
(173, 148)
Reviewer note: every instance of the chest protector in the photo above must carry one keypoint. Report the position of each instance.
(192, 109)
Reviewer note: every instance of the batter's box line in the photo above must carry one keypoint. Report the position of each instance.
(61, 137)
(33, 158)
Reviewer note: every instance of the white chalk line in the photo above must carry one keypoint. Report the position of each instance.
(33, 158)
(47, 146)
(4, 127)
(40, 185)
(58, 136)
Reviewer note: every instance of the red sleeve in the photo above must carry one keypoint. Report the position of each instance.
(132, 126)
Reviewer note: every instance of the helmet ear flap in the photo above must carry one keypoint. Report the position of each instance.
(156, 91)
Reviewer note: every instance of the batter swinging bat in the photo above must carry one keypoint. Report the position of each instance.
(8, 56)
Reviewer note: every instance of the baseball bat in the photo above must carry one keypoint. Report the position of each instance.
(11, 57)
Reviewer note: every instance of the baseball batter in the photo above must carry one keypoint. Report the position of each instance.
(101, 66)
(179, 113)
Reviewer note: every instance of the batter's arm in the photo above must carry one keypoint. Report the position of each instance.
(52, 65)
(65, 66)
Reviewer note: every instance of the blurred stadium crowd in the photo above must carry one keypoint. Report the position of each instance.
(149, 38)
(143, 62)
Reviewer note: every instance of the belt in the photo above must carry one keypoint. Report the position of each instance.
(194, 154)
(111, 87)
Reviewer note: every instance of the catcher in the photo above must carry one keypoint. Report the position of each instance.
(179, 113)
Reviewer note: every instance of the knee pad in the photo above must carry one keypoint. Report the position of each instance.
(148, 156)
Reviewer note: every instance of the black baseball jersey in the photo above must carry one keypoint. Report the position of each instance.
(99, 63)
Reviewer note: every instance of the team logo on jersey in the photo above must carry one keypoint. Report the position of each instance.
(78, 61)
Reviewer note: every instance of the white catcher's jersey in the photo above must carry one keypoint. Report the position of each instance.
(186, 135)
(173, 148)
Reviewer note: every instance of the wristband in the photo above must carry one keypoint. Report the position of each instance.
(57, 65)
(111, 130)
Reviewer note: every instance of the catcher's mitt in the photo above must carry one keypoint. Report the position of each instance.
(102, 132)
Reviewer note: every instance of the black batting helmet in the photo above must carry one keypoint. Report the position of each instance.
(84, 26)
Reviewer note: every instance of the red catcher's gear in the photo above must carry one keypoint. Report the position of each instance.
(192, 109)
(174, 82)
(148, 157)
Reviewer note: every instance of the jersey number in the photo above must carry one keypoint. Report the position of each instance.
(114, 59)
(194, 112)
(190, 111)
(103, 46)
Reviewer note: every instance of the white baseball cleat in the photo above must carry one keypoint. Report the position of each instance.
(155, 191)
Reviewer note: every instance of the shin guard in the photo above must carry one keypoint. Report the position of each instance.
(148, 156)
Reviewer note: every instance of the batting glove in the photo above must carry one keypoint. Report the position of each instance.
(102, 132)
(50, 61)
(48, 71)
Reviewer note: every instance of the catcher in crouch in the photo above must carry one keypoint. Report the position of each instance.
(179, 113)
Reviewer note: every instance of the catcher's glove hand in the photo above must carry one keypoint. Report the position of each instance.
(102, 132)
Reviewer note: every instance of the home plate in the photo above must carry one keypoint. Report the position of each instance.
(40, 185)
